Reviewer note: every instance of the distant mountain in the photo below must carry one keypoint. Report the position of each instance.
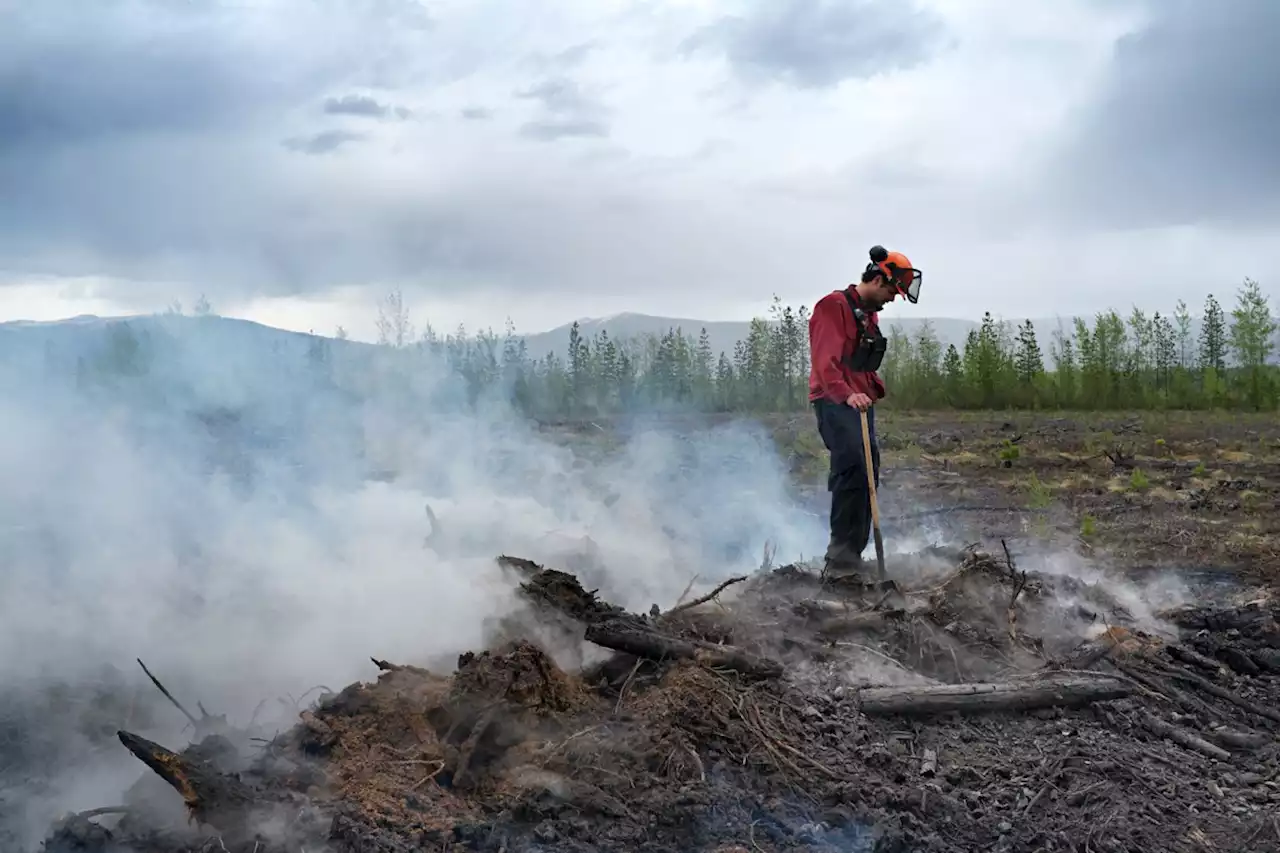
(224, 346)
(724, 334)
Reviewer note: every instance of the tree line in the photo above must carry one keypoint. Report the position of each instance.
(1139, 361)
(1114, 362)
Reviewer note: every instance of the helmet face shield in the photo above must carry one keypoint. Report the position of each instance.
(908, 283)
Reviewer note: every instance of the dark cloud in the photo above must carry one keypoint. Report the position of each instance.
(476, 113)
(1184, 130)
(567, 111)
(65, 80)
(818, 43)
(324, 142)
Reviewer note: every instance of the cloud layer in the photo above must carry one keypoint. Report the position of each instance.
(636, 155)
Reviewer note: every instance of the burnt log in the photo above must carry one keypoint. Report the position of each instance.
(991, 696)
(1267, 659)
(1250, 619)
(211, 796)
(1185, 739)
(1212, 689)
(1190, 656)
(626, 636)
(858, 623)
(838, 618)
(1238, 661)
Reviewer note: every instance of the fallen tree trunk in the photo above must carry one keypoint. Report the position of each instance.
(625, 636)
(991, 696)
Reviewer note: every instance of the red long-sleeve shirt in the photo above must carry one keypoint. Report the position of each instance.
(833, 334)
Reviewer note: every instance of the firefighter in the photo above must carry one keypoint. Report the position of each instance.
(846, 348)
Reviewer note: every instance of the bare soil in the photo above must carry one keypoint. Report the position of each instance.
(1184, 490)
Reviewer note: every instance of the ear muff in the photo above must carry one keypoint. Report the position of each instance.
(879, 254)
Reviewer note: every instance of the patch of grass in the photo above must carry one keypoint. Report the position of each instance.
(1009, 452)
(1100, 442)
(1088, 527)
(911, 452)
(1039, 496)
(1138, 481)
(1199, 470)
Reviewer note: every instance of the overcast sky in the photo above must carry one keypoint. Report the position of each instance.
(296, 159)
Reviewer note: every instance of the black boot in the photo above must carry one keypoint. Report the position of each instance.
(841, 562)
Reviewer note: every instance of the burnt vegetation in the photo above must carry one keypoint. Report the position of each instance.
(982, 707)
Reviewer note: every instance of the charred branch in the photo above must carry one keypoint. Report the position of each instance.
(211, 796)
(986, 697)
(624, 636)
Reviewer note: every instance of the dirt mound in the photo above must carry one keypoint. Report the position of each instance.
(993, 709)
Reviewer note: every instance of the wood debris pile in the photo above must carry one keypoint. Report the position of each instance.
(993, 709)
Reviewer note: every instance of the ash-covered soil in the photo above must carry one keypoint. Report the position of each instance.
(984, 708)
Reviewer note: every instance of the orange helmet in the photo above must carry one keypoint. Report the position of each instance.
(897, 269)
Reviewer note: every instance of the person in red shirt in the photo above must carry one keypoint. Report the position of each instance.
(846, 348)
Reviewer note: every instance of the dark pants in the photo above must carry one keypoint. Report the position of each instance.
(840, 426)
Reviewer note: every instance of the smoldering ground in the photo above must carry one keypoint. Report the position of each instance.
(248, 517)
(246, 514)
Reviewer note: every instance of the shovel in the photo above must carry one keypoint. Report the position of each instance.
(871, 489)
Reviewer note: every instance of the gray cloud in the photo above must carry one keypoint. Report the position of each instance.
(141, 140)
(818, 43)
(1184, 131)
(323, 142)
(363, 106)
(67, 80)
(355, 105)
(183, 167)
(567, 111)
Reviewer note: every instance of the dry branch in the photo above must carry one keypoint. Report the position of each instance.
(167, 694)
(991, 696)
(703, 599)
